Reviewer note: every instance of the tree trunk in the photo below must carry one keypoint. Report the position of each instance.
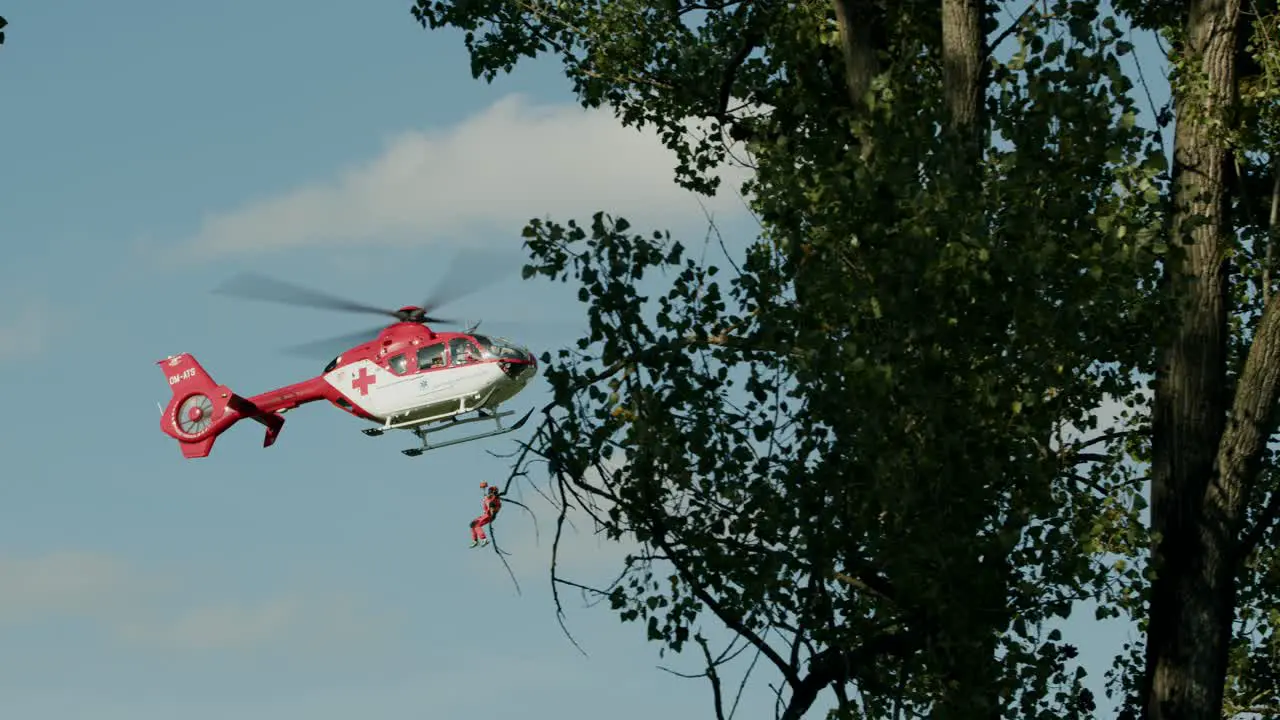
(854, 19)
(962, 64)
(970, 669)
(963, 90)
(1192, 598)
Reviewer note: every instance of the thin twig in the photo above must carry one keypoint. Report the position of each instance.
(742, 685)
(536, 538)
(713, 677)
(555, 590)
(494, 533)
(1012, 27)
(1142, 80)
(713, 227)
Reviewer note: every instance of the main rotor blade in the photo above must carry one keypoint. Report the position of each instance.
(433, 320)
(252, 286)
(469, 272)
(328, 348)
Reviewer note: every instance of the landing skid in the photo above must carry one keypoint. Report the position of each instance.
(423, 432)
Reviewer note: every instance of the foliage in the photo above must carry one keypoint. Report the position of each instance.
(847, 443)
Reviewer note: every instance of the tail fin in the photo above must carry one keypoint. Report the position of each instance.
(201, 410)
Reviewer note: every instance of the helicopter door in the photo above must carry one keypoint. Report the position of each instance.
(399, 392)
(432, 385)
(466, 374)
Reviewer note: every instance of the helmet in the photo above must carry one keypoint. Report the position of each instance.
(484, 484)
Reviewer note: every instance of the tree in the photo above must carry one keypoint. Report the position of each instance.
(852, 451)
(1213, 497)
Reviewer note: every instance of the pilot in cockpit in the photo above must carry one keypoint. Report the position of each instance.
(461, 351)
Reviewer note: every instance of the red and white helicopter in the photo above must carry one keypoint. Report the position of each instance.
(407, 377)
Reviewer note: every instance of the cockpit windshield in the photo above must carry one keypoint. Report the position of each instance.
(500, 348)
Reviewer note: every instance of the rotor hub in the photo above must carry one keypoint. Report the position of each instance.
(410, 313)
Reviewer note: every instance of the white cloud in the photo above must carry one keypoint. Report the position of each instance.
(493, 171)
(24, 330)
(143, 609)
(281, 621)
(60, 584)
(218, 627)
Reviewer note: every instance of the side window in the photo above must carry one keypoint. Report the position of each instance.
(431, 356)
(461, 351)
(398, 364)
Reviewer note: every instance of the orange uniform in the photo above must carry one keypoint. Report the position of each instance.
(490, 507)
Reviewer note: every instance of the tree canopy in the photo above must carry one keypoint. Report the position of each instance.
(869, 444)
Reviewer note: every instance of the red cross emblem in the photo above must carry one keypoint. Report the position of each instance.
(363, 381)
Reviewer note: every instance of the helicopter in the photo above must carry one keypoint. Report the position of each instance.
(408, 376)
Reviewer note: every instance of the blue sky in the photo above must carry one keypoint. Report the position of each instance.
(153, 149)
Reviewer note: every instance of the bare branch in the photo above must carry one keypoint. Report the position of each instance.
(685, 676)
(555, 564)
(713, 677)
(1105, 437)
(713, 228)
(501, 553)
(751, 39)
(874, 586)
(517, 503)
(731, 621)
(1013, 26)
(580, 586)
(743, 684)
(832, 665)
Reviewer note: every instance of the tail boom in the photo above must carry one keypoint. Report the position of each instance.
(200, 410)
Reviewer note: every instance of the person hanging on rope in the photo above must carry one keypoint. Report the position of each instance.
(490, 506)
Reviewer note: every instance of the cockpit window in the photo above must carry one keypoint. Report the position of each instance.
(398, 364)
(461, 351)
(431, 356)
(499, 348)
